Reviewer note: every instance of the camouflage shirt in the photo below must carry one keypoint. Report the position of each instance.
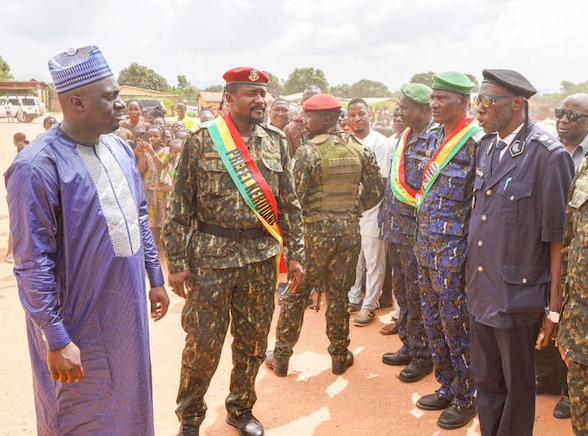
(444, 215)
(308, 173)
(573, 330)
(205, 192)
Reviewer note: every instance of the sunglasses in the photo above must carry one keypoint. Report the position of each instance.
(572, 116)
(487, 100)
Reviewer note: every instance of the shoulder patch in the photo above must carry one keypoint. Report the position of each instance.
(271, 128)
(548, 141)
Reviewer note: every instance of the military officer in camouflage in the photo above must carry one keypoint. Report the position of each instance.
(573, 329)
(397, 218)
(218, 250)
(336, 179)
(444, 204)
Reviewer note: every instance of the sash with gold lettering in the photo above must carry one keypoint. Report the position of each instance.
(466, 128)
(249, 181)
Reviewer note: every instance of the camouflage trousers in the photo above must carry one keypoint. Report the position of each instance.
(245, 297)
(443, 303)
(330, 266)
(578, 387)
(411, 328)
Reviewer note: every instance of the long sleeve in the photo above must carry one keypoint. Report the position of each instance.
(290, 219)
(371, 180)
(33, 200)
(181, 210)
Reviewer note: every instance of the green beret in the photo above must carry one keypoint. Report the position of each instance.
(454, 82)
(417, 92)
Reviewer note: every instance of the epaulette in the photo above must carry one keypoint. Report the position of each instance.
(547, 140)
(271, 128)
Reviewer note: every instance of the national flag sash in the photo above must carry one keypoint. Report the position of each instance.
(401, 190)
(249, 181)
(466, 128)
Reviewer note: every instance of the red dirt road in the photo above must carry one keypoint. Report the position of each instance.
(367, 400)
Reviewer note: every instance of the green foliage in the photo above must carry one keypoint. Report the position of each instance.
(555, 99)
(214, 88)
(369, 88)
(182, 82)
(425, 78)
(275, 86)
(142, 77)
(342, 91)
(5, 73)
(300, 78)
(474, 81)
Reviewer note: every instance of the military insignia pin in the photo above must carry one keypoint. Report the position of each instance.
(254, 75)
(517, 148)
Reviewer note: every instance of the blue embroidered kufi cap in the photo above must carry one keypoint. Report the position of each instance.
(78, 67)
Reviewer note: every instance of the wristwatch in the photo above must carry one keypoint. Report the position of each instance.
(553, 316)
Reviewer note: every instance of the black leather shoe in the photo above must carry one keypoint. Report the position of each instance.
(189, 430)
(339, 366)
(433, 402)
(456, 416)
(562, 408)
(415, 371)
(247, 424)
(278, 366)
(398, 358)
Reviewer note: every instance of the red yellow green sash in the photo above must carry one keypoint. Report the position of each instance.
(401, 190)
(466, 128)
(249, 181)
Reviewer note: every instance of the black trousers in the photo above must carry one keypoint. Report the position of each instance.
(504, 372)
(551, 371)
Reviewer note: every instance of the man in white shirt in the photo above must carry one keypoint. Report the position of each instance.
(372, 258)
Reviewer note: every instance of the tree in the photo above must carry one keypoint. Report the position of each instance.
(300, 78)
(182, 82)
(342, 91)
(369, 88)
(5, 73)
(142, 77)
(275, 86)
(426, 78)
(214, 88)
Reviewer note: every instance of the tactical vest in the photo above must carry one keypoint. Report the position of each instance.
(337, 196)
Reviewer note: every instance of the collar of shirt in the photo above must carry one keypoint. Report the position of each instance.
(508, 140)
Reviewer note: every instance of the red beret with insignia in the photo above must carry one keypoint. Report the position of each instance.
(246, 76)
(321, 102)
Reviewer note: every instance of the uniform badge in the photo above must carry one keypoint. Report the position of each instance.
(479, 172)
(517, 148)
(254, 75)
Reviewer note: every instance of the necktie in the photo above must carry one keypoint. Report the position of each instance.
(500, 145)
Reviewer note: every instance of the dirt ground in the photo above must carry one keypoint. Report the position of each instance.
(367, 400)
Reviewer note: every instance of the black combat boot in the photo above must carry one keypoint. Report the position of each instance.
(246, 423)
(278, 366)
(339, 366)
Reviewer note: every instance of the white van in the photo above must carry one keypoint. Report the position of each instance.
(25, 108)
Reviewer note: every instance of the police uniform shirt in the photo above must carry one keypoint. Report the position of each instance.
(519, 209)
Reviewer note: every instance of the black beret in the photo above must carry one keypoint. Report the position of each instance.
(511, 80)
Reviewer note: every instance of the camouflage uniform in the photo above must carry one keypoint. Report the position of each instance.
(441, 252)
(398, 223)
(232, 278)
(573, 329)
(332, 205)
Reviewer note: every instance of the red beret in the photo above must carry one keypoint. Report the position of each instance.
(322, 102)
(245, 76)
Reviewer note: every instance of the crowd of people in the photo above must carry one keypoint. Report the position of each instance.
(469, 212)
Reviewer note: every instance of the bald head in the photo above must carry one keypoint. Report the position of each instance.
(572, 123)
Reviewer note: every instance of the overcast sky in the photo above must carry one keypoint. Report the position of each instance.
(385, 40)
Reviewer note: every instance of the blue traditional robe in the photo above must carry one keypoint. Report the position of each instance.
(82, 248)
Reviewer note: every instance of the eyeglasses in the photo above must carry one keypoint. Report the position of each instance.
(487, 100)
(572, 116)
